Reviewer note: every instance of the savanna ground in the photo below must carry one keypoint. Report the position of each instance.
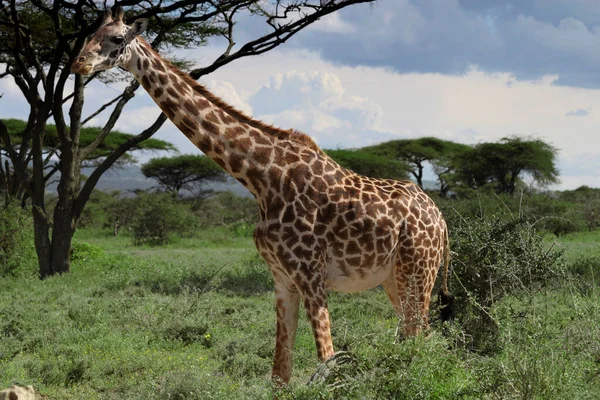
(195, 320)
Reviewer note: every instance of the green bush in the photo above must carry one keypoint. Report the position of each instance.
(588, 201)
(494, 257)
(417, 368)
(555, 212)
(81, 251)
(158, 217)
(94, 214)
(16, 239)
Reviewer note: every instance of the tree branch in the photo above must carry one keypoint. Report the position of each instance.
(104, 107)
(18, 167)
(92, 180)
(127, 95)
(280, 34)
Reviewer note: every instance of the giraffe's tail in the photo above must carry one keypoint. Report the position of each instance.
(446, 262)
(446, 299)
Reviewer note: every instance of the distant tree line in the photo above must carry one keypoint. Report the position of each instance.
(500, 166)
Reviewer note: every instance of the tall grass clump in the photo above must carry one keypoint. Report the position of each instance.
(496, 256)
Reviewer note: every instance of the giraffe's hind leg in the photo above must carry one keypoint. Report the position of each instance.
(409, 290)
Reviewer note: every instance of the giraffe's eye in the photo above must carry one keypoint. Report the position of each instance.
(117, 39)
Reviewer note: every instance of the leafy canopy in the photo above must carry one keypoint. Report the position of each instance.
(112, 141)
(369, 164)
(505, 163)
(415, 152)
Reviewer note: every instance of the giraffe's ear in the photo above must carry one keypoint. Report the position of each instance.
(138, 27)
(119, 14)
(107, 17)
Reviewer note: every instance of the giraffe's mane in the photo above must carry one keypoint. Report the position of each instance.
(289, 134)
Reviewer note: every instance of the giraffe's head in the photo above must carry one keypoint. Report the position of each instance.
(109, 46)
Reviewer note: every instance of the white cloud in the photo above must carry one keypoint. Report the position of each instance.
(333, 23)
(8, 86)
(315, 102)
(363, 113)
(293, 88)
(569, 182)
(136, 119)
(227, 92)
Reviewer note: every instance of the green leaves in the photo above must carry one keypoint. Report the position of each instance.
(503, 164)
(370, 164)
(114, 139)
(441, 154)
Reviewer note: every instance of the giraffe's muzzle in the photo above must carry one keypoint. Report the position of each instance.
(82, 66)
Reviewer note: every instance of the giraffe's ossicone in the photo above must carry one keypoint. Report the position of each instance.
(322, 227)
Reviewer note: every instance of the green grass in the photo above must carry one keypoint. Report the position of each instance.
(581, 244)
(196, 320)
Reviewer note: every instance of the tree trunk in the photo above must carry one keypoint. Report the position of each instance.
(43, 246)
(65, 220)
(443, 189)
(418, 174)
(62, 234)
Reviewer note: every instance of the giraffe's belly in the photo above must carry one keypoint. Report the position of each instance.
(341, 278)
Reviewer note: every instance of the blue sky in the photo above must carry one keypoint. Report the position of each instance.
(462, 70)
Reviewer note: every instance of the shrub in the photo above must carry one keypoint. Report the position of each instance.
(158, 217)
(16, 239)
(120, 213)
(83, 251)
(496, 256)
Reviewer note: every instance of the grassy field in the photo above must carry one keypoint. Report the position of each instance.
(195, 320)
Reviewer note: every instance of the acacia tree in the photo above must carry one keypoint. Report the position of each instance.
(39, 39)
(447, 163)
(504, 163)
(417, 152)
(186, 172)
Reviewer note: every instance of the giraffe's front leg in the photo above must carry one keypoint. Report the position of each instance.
(315, 303)
(287, 303)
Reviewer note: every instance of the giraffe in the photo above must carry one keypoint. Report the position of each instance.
(321, 226)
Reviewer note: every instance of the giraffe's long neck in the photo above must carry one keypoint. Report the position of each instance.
(226, 136)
